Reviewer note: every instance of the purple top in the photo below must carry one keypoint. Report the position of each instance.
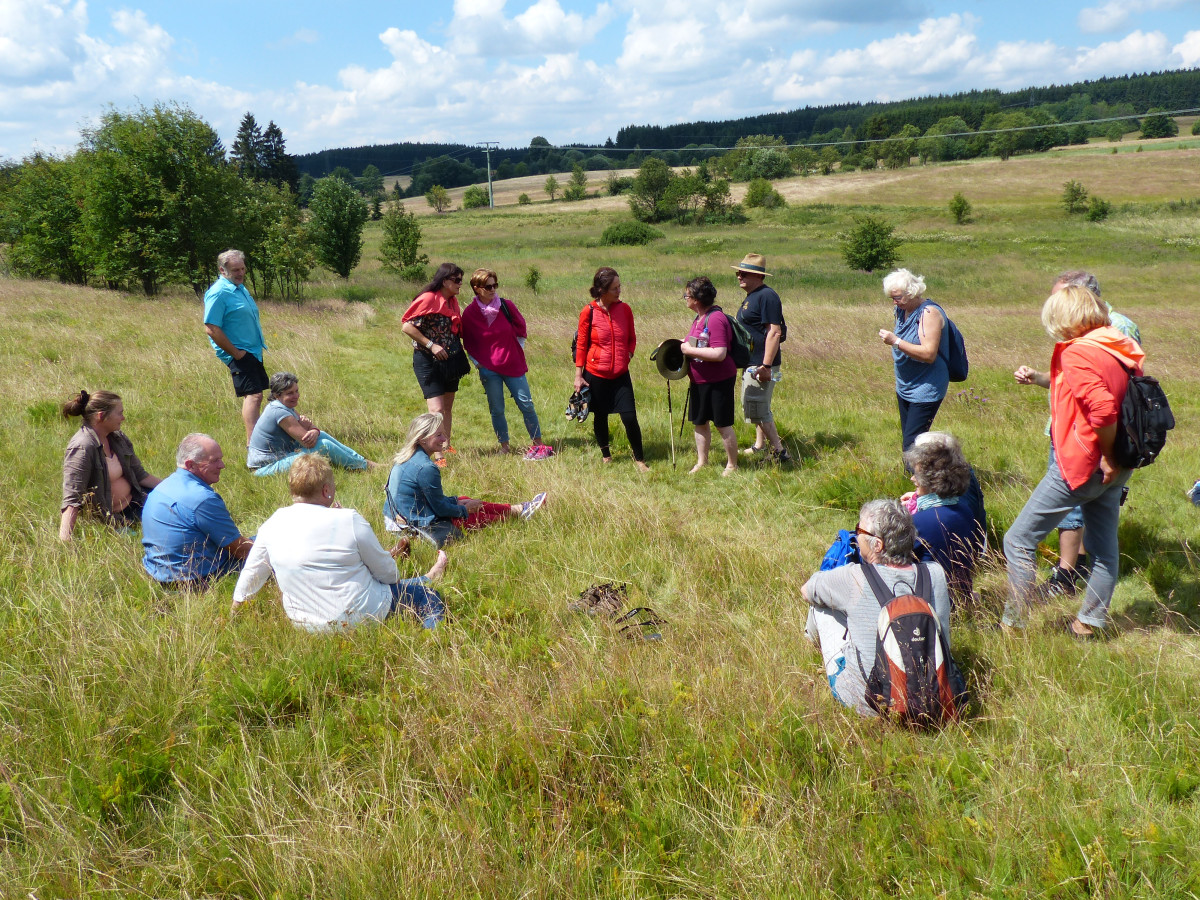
(494, 345)
(719, 335)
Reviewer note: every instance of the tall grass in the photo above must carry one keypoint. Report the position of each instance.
(149, 746)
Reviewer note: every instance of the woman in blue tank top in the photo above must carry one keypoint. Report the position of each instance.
(919, 353)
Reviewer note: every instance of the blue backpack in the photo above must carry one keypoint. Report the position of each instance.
(843, 551)
(957, 363)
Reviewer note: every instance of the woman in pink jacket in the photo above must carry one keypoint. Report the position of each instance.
(1089, 373)
(494, 335)
(604, 344)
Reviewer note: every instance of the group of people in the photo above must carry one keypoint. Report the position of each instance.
(333, 571)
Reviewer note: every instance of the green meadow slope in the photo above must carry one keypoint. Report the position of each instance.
(149, 746)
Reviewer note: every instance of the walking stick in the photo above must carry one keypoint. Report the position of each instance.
(671, 424)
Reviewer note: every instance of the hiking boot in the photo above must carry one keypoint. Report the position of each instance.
(1061, 582)
(781, 456)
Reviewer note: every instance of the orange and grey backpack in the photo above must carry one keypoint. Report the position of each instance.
(914, 677)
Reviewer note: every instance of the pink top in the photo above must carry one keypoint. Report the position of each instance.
(719, 335)
(494, 344)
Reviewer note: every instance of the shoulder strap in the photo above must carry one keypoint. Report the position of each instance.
(875, 580)
(507, 313)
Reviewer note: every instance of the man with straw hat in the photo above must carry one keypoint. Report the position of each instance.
(762, 315)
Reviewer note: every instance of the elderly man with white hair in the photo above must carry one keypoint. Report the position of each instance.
(232, 325)
(844, 613)
(187, 533)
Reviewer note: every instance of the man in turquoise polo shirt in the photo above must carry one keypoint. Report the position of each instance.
(231, 322)
(187, 532)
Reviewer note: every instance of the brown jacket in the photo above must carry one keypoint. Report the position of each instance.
(85, 477)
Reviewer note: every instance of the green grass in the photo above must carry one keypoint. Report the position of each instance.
(149, 746)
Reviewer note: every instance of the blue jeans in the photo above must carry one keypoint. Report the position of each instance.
(411, 594)
(518, 385)
(1073, 520)
(336, 452)
(1050, 501)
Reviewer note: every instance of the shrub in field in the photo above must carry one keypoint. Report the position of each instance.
(524, 200)
(1159, 126)
(577, 188)
(1097, 209)
(629, 234)
(870, 245)
(1196, 127)
(474, 197)
(338, 216)
(761, 194)
(1116, 131)
(438, 197)
(399, 251)
(960, 208)
(40, 220)
(533, 278)
(1074, 197)
(618, 184)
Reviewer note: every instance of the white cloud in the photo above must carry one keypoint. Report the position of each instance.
(1189, 49)
(38, 40)
(480, 28)
(1109, 17)
(1135, 52)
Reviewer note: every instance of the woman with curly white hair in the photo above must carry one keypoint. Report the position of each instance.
(918, 351)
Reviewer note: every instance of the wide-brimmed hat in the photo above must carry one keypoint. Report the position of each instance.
(754, 263)
(668, 356)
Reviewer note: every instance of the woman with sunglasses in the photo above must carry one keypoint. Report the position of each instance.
(494, 334)
(434, 322)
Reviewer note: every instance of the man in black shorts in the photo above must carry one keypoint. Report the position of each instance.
(231, 322)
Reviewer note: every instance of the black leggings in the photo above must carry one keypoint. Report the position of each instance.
(633, 431)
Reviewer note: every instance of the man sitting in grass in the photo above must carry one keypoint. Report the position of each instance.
(330, 567)
(187, 533)
(844, 615)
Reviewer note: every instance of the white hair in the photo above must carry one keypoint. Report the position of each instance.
(229, 256)
(192, 449)
(906, 282)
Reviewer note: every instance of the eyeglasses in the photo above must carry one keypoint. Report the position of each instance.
(858, 529)
(457, 280)
(490, 287)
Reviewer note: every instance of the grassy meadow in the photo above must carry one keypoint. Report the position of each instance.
(152, 747)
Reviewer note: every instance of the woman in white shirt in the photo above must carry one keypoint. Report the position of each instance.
(331, 569)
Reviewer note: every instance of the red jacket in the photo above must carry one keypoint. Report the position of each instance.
(1088, 379)
(606, 347)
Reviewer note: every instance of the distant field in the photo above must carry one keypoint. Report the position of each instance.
(151, 747)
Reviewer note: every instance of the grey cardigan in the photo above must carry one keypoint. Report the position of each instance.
(85, 476)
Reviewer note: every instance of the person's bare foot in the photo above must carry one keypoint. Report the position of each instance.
(1079, 630)
(729, 470)
(371, 465)
(696, 468)
(641, 465)
(438, 569)
(606, 459)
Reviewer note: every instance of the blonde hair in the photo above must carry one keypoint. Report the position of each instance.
(480, 277)
(424, 426)
(1073, 311)
(905, 281)
(308, 475)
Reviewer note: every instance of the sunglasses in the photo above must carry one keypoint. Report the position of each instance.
(858, 529)
(457, 280)
(490, 287)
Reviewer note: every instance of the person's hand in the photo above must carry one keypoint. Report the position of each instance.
(888, 337)
(238, 354)
(1108, 469)
(1024, 375)
(309, 439)
(472, 504)
(305, 421)
(438, 351)
(906, 497)
(579, 383)
(762, 373)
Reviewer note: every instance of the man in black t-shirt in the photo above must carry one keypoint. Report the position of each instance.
(762, 315)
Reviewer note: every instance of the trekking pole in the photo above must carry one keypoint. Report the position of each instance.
(671, 423)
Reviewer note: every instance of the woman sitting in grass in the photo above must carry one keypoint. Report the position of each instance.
(101, 473)
(415, 498)
(282, 435)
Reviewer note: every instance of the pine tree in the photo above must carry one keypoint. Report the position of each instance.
(248, 148)
(277, 165)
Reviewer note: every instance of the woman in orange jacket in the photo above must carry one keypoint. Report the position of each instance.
(1089, 373)
(604, 344)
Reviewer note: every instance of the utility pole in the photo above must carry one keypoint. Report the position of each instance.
(488, 146)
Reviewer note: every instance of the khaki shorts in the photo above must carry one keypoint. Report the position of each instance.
(756, 399)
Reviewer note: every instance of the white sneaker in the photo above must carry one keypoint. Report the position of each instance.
(532, 506)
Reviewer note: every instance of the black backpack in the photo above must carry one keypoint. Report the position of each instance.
(1142, 424)
(575, 336)
(914, 680)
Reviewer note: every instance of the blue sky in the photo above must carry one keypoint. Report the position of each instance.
(349, 73)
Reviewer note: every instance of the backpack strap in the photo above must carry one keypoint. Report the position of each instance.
(507, 313)
(885, 595)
